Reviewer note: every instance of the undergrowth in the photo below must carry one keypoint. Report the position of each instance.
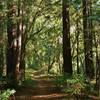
(75, 84)
(4, 95)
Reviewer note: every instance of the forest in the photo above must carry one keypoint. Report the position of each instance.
(49, 49)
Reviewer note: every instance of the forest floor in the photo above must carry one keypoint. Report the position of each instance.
(40, 87)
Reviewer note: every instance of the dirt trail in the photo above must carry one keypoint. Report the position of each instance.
(43, 89)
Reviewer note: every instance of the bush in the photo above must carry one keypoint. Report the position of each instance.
(6, 94)
(74, 84)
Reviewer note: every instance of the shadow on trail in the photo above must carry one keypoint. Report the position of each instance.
(43, 88)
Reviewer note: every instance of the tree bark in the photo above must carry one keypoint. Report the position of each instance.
(77, 39)
(14, 44)
(88, 43)
(1, 48)
(67, 58)
(24, 38)
(2, 39)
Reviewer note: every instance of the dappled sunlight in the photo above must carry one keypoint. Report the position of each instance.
(49, 50)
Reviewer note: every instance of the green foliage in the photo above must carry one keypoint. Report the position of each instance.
(43, 23)
(73, 84)
(89, 88)
(60, 80)
(6, 94)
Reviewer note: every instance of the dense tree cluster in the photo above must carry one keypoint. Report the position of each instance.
(54, 36)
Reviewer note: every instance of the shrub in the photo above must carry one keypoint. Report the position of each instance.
(6, 94)
(71, 84)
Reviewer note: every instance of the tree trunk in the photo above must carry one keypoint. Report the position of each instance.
(24, 37)
(88, 43)
(2, 39)
(23, 50)
(67, 58)
(98, 76)
(14, 45)
(77, 49)
(19, 35)
(1, 48)
(97, 46)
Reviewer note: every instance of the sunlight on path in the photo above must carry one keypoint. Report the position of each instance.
(44, 89)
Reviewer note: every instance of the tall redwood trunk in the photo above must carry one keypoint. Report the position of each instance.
(1, 47)
(67, 58)
(21, 35)
(88, 43)
(14, 44)
(24, 36)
